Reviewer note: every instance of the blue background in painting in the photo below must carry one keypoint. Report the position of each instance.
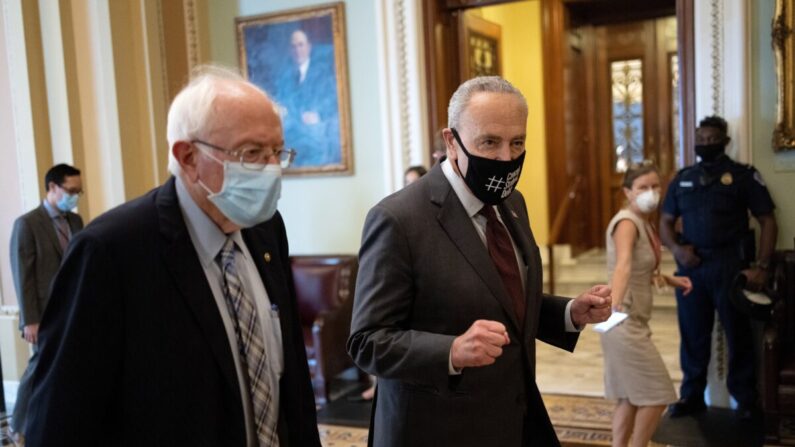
(271, 67)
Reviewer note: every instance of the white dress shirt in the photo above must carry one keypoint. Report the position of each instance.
(302, 69)
(208, 240)
(473, 205)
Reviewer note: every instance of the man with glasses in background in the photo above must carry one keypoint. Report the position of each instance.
(38, 242)
(174, 319)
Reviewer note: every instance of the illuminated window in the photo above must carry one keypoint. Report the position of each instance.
(627, 82)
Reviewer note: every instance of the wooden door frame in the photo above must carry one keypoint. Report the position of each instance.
(686, 47)
(555, 23)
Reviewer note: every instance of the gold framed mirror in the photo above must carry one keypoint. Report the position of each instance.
(784, 51)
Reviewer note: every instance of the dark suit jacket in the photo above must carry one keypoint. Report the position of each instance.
(318, 92)
(317, 144)
(425, 276)
(35, 257)
(133, 350)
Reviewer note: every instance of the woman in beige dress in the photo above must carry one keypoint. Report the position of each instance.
(635, 374)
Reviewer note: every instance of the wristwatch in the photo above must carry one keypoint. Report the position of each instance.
(764, 264)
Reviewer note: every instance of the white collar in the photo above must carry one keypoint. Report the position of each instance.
(208, 239)
(472, 204)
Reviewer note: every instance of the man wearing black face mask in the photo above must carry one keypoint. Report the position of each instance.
(448, 301)
(713, 198)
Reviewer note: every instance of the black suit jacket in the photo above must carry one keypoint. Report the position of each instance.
(425, 276)
(133, 350)
(35, 257)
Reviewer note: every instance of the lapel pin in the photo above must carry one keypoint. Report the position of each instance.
(267, 257)
(513, 213)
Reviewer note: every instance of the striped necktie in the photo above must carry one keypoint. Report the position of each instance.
(62, 228)
(251, 345)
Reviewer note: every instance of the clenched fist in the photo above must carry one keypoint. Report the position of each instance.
(480, 345)
(592, 306)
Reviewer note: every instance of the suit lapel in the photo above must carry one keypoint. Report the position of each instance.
(75, 222)
(260, 247)
(458, 226)
(525, 243)
(46, 226)
(180, 257)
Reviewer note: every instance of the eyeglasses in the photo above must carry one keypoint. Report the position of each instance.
(253, 157)
(72, 191)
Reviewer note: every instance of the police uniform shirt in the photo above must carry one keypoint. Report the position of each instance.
(713, 201)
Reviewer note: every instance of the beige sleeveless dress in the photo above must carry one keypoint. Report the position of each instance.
(634, 369)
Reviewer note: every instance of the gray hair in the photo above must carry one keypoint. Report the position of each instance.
(192, 109)
(465, 92)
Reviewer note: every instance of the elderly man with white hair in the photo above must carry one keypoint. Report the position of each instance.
(173, 320)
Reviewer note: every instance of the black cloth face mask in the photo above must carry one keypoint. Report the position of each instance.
(491, 181)
(710, 152)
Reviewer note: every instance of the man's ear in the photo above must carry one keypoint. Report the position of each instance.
(186, 156)
(51, 187)
(450, 144)
(728, 140)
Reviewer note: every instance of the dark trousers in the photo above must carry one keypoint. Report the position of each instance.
(537, 429)
(712, 281)
(23, 394)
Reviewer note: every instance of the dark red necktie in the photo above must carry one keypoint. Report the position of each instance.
(501, 251)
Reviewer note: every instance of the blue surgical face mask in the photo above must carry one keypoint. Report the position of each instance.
(248, 196)
(68, 202)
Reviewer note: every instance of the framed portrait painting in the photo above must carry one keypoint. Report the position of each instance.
(784, 51)
(298, 57)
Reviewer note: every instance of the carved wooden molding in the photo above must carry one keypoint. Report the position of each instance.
(192, 33)
(783, 47)
(716, 53)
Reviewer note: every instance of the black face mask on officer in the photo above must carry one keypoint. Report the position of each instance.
(709, 152)
(491, 181)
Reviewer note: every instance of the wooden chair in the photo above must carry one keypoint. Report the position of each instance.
(778, 369)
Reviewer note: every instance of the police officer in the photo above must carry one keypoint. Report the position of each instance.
(713, 198)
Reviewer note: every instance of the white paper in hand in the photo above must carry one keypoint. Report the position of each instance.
(615, 319)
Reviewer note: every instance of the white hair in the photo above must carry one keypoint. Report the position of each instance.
(465, 92)
(192, 110)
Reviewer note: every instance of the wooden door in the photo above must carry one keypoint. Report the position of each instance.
(582, 231)
(636, 111)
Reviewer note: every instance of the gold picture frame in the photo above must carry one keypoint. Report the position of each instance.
(298, 57)
(784, 51)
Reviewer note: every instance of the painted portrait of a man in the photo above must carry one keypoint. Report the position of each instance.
(295, 59)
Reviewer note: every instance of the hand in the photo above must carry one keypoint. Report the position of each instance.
(757, 278)
(686, 256)
(681, 282)
(480, 345)
(310, 117)
(592, 306)
(31, 333)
